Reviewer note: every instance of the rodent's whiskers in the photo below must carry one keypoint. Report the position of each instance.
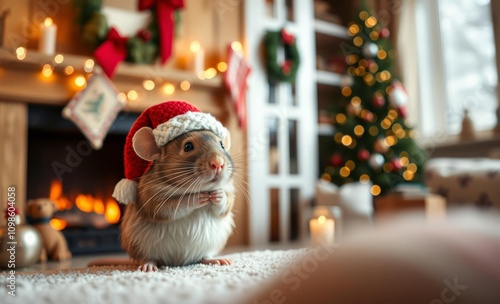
(154, 183)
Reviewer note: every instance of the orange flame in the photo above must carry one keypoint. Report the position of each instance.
(112, 214)
(56, 196)
(58, 224)
(84, 202)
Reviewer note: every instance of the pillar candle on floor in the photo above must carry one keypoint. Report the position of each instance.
(322, 231)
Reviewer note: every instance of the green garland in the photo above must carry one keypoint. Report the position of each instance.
(286, 71)
(142, 48)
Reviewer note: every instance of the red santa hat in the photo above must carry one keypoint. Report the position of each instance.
(168, 120)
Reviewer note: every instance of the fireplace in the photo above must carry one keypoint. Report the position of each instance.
(63, 167)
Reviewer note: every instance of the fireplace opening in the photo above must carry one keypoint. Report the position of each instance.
(62, 166)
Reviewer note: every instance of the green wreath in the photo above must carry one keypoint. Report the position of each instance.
(142, 48)
(286, 71)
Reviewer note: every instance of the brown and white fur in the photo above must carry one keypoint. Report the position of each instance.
(183, 210)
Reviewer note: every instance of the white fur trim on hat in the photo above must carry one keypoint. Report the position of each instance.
(125, 191)
(190, 121)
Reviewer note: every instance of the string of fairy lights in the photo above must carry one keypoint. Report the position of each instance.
(80, 74)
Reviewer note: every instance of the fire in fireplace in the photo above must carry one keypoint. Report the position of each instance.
(63, 167)
(86, 210)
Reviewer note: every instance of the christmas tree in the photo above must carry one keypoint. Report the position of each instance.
(372, 142)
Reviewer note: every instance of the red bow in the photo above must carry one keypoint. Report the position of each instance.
(164, 11)
(286, 37)
(111, 52)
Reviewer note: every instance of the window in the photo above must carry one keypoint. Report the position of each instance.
(457, 67)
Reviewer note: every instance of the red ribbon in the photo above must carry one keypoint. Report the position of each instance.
(165, 16)
(111, 52)
(286, 37)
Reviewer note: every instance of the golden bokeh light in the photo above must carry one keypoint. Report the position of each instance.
(359, 130)
(404, 161)
(350, 164)
(185, 85)
(376, 190)
(346, 140)
(363, 15)
(346, 91)
(341, 118)
(381, 54)
(222, 66)
(356, 101)
(358, 41)
(148, 84)
(364, 178)
(353, 29)
(344, 172)
(59, 58)
(371, 22)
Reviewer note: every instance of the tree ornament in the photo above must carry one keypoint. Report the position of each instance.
(336, 160)
(385, 33)
(398, 98)
(378, 100)
(363, 155)
(287, 70)
(27, 240)
(370, 49)
(396, 164)
(381, 145)
(376, 161)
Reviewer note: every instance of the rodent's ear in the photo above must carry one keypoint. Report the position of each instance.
(144, 144)
(227, 140)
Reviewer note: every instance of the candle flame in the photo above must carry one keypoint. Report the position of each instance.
(48, 22)
(322, 219)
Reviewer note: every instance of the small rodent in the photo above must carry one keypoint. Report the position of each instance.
(183, 213)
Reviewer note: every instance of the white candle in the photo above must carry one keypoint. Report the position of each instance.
(197, 60)
(322, 230)
(48, 32)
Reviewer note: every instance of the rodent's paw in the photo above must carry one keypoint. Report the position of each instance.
(148, 267)
(217, 196)
(203, 199)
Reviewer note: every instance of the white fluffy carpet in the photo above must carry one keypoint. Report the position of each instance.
(123, 284)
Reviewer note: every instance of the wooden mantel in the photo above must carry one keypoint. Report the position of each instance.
(22, 81)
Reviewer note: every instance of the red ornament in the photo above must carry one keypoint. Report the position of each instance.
(336, 160)
(363, 155)
(396, 165)
(378, 101)
(384, 33)
(286, 67)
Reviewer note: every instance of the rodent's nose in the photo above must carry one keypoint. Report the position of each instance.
(217, 163)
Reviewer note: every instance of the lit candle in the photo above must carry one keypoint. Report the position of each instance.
(48, 31)
(322, 230)
(197, 60)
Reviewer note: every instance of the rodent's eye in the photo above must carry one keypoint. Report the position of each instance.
(188, 146)
(222, 145)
